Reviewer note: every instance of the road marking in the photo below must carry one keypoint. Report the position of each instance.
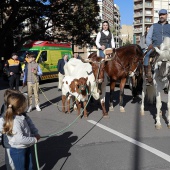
(131, 140)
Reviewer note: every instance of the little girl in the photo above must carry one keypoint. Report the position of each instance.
(20, 131)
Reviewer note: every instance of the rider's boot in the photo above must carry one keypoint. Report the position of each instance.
(148, 75)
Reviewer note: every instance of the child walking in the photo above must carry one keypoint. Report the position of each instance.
(31, 77)
(20, 131)
(3, 138)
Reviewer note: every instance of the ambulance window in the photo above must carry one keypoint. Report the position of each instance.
(43, 56)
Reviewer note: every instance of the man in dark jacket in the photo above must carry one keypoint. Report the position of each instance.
(14, 71)
(61, 73)
(154, 38)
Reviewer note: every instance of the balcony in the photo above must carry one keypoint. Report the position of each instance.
(140, 6)
(138, 0)
(150, 6)
(137, 31)
(139, 15)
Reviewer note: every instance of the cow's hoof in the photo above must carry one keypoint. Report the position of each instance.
(122, 109)
(158, 126)
(106, 116)
(111, 108)
(168, 126)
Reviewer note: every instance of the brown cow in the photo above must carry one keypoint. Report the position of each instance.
(77, 88)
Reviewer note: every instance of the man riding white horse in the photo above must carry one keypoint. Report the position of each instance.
(157, 33)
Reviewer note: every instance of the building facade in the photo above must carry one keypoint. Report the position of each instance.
(117, 26)
(145, 14)
(127, 34)
(106, 14)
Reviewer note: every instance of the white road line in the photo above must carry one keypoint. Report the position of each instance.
(142, 145)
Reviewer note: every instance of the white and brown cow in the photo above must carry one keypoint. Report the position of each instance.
(77, 88)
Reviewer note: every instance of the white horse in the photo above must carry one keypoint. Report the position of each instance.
(161, 79)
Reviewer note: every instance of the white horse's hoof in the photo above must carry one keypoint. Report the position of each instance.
(142, 113)
(111, 108)
(160, 113)
(158, 126)
(122, 109)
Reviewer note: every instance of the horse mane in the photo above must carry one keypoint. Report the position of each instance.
(164, 51)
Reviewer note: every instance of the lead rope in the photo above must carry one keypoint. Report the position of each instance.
(62, 130)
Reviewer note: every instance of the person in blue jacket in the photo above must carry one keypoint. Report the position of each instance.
(61, 73)
(154, 38)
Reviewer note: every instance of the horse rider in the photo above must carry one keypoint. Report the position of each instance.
(154, 38)
(104, 39)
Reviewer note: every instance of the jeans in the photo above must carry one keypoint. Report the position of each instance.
(22, 158)
(101, 54)
(146, 59)
(8, 160)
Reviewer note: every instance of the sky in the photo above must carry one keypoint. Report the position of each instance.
(126, 11)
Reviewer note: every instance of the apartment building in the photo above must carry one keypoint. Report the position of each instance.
(106, 14)
(116, 25)
(145, 14)
(126, 34)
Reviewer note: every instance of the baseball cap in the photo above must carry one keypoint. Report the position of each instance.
(163, 11)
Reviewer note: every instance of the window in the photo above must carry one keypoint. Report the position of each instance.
(43, 56)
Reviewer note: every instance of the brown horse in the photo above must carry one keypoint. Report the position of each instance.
(123, 63)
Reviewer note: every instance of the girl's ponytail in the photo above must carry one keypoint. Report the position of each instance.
(8, 119)
(16, 105)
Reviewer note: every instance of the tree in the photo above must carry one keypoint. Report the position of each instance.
(61, 20)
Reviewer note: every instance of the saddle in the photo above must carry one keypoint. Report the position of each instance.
(108, 52)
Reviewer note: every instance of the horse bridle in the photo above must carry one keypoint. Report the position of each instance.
(125, 68)
(98, 69)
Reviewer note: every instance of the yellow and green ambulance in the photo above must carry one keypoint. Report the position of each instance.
(47, 55)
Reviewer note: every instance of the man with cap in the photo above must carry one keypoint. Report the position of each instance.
(154, 38)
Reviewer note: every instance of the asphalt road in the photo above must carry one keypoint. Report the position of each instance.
(125, 141)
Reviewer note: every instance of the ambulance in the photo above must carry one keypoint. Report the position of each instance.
(47, 55)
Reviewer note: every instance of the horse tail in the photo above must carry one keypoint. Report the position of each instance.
(151, 94)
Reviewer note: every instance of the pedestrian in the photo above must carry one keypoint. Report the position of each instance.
(14, 71)
(104, 39)
(61, 73)
(143, 39)
(31, 78)
(3, 138)
(20, 131)
(75, 55)
(154, 38)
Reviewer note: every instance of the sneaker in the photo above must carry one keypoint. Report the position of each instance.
(38, 108)
(29, 109)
